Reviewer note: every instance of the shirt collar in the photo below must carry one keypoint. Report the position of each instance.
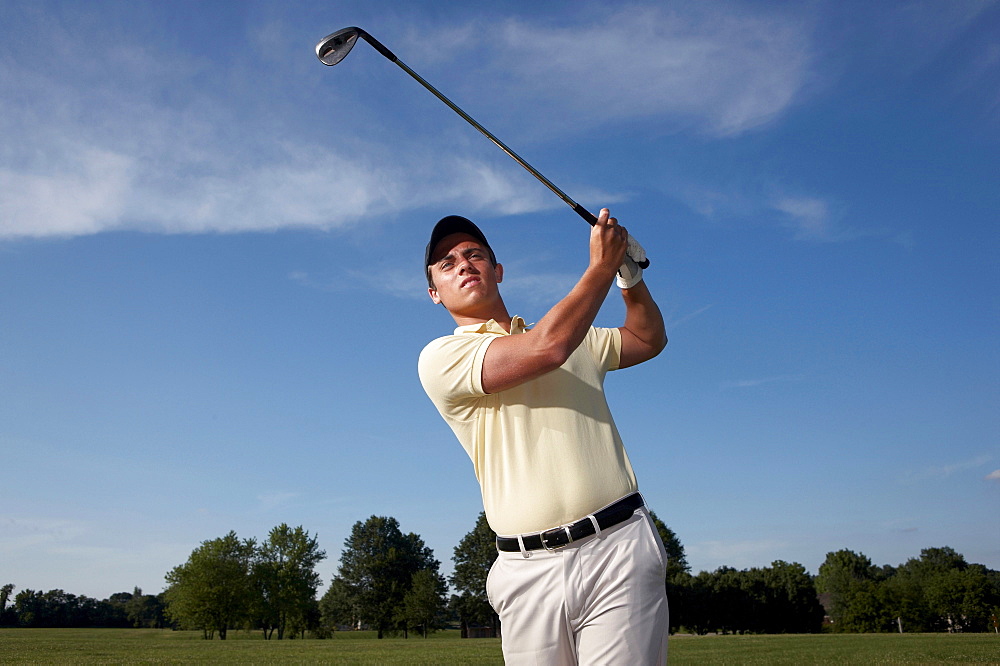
(516, 326)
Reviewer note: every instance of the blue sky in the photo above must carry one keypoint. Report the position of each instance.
(211, 297)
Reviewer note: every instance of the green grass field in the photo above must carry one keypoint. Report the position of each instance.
(150, 646)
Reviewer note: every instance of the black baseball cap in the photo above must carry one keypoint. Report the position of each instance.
(454, 224)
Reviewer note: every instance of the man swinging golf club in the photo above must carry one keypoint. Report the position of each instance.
(580, 574)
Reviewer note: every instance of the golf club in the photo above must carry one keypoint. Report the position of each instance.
(335, 47)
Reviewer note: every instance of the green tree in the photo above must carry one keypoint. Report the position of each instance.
(870, 607)
(424, 604)
(377, 567)
(6, 617)
(30, 609)
(212, 590)
(913, 589)
(285, 580)
(338, 606)
(678, 577)
(946, 593)
(144, 610)
(731, 606)
(695, 602)
(791, 602)
(676, 558)
(848, 583)
(473, 557)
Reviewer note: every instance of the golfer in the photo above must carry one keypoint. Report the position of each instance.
(580, 574)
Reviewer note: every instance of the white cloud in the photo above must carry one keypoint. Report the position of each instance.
(168, 187)
(808, 216)
(811, 219)
(84, 192)
(94, 152)
(994, 475)
(722, 70)
(142, 135)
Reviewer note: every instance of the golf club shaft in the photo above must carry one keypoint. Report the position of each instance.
(333, 48)
(580, 210)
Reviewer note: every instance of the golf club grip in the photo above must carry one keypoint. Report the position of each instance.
(587, 215)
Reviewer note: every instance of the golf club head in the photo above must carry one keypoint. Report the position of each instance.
(334, 48)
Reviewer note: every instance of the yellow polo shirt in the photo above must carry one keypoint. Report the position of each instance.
(546, 452)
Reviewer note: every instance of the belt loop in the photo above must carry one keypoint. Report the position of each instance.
(524, 551)
(597, 525)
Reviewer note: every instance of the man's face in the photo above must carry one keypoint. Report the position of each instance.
(464, 278)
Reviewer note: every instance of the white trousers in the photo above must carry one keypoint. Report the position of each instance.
(600, 600)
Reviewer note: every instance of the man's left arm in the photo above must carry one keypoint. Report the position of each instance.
(643, 334)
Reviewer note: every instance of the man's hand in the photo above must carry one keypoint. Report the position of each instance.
(608, 243)
(630, 273)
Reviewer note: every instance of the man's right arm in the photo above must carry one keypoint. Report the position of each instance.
(514, 359)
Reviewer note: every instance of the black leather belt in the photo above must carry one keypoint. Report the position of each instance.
(558, 537)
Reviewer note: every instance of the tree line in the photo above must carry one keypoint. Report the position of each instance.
(938, 591)
(389, 582)
(57, 608)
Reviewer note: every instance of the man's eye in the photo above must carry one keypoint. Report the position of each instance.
(446, 265)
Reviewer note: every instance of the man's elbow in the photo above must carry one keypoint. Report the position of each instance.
(552, 357)
(656, 347)
(637, 350)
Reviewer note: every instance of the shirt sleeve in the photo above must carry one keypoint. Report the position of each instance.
(606, 346)
(451, 371)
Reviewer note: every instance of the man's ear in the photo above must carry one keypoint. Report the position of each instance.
(432, 292)
(499, 271)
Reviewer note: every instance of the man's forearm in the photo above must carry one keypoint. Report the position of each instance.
(511, 360)
(514, 359)
(569, 320)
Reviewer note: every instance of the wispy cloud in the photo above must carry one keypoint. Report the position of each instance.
(809, 217)
(17, 534)
(738, 554)
(538, 288)
(993, 476)
(125, 140)
(410, 285)
(276, 500)
(676, 323)
(948, 469)
(922, 29)
(819, 220)
(721, 70)
(751, 383)
(85, 154)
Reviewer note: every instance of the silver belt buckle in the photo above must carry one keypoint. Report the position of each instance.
(569, 538)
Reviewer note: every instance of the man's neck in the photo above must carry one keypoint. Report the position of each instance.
(501, 317)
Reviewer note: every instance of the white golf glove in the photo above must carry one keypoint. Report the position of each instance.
(630, 273)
